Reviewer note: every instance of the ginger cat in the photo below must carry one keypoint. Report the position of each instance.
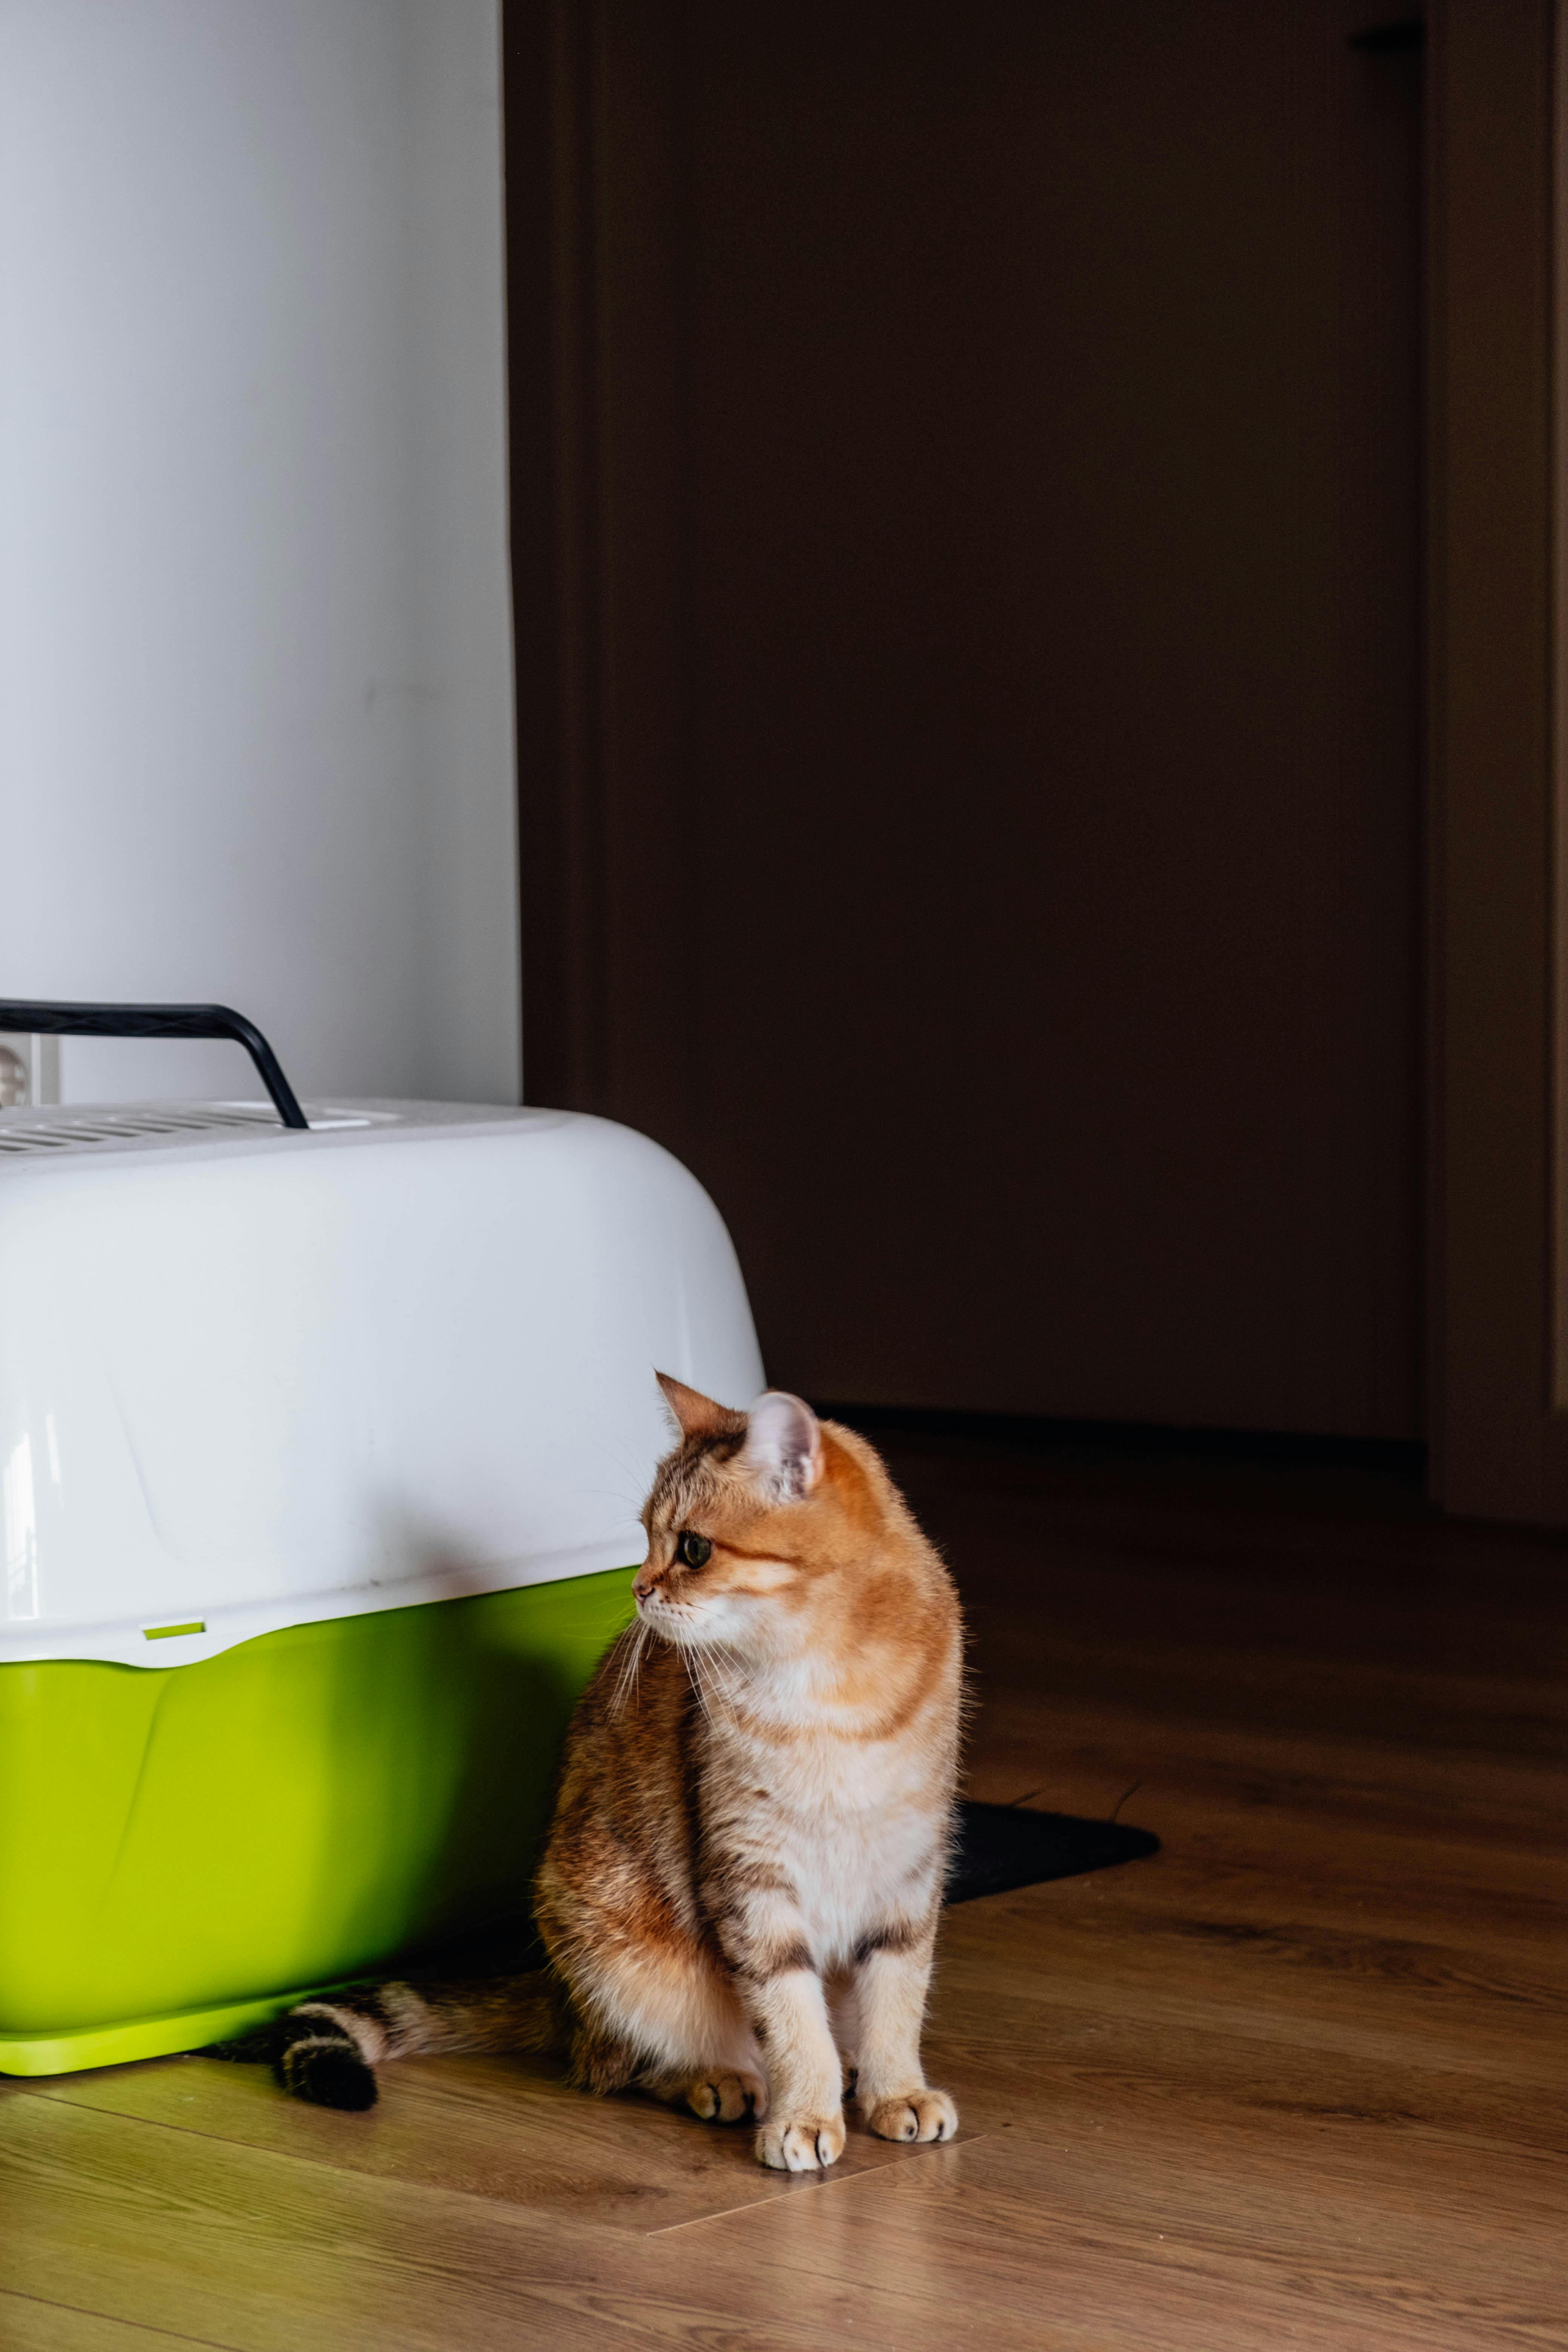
(740, 1891)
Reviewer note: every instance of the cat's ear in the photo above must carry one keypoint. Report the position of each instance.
(782, 1452)
(699, 1415)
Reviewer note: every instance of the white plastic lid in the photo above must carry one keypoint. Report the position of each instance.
(251, 1379)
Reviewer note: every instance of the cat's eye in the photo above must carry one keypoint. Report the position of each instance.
(695, 1550)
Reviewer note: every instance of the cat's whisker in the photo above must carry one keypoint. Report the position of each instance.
(707, 1690)
(713, 1684)
(642, 1638)
(617, 1494)
(640, 1651)
(636, 1473)
(634, 1638)
(694, 1669)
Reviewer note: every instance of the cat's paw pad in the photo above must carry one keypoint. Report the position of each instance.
(728, 2098)
(913, 2115)
(807, 2145)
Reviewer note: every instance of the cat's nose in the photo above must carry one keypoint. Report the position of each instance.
(644, 1581)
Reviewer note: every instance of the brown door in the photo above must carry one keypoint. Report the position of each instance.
(967, 532)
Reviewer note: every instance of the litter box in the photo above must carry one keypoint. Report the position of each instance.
(324, 1436)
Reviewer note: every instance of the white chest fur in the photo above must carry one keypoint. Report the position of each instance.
(855, 1826)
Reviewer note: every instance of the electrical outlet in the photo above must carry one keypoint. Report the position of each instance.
(29, 1069)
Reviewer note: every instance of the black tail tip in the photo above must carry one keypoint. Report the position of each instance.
(330, 2077)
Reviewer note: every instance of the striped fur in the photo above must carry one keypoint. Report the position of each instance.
(740, 1891)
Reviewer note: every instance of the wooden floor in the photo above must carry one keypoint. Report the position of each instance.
(1298, 2081)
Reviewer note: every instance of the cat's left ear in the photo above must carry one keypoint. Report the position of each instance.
(782, 1452)
(697, 1414)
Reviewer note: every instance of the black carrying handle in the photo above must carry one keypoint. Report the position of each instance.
(160, 1020)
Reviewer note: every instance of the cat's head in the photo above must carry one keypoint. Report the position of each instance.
(756, 1523)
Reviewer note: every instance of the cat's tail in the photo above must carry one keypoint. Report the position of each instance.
(326, 2051)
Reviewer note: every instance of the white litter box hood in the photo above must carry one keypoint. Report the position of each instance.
(250, 1378)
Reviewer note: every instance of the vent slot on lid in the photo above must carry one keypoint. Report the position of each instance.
(21, 1131)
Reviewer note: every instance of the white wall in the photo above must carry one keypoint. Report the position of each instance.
(255, 658)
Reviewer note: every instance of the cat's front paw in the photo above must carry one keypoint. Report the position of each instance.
(726, 2098)
(913, 2115)
(804, 2144)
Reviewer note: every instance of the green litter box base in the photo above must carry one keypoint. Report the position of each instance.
(184, 1849)
(141, 2037)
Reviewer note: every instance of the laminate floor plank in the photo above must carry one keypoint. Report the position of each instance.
(27, 2325)
(1294, 1976)
(263, 2252)
(504, 2128)
(1136, 2232)
(1349, 1773)
(1005, 2056)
